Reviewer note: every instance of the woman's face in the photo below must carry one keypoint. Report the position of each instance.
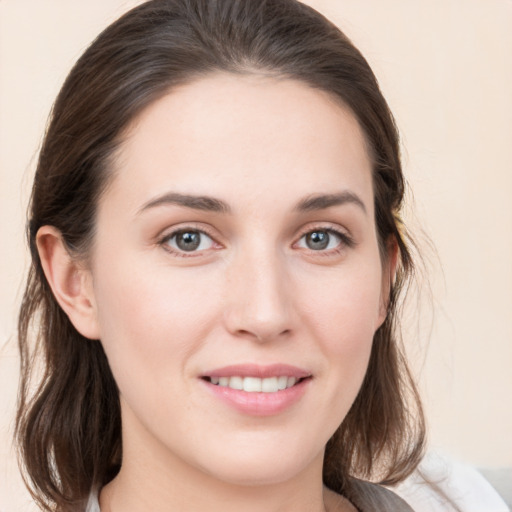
(236, 248)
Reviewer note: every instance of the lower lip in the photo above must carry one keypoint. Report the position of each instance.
(259, 404)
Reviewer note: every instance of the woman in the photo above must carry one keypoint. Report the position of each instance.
(217, 258)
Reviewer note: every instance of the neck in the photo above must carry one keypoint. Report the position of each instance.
(134, 493)
(152, 478)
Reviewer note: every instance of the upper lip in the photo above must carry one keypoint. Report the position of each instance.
(256, 370)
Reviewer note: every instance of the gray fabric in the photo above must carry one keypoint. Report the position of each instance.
(368, 497)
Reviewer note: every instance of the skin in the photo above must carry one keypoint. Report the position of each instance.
(253, 292)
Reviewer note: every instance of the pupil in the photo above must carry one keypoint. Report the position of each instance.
(188, 241)
(317, 240)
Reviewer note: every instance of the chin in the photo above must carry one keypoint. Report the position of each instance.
(255, 466)
(252, 475)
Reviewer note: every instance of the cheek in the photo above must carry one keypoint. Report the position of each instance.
(153, 320)
(342, 313)
(344, 307)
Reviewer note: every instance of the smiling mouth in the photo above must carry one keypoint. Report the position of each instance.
(256, 384)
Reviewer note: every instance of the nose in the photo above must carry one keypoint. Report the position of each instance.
(259, 304)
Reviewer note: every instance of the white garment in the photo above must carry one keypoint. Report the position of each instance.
(92, 504)
(461, 484)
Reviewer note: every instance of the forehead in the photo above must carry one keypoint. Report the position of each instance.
(234, 134)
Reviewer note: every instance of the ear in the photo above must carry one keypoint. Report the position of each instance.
(389, 268)
(70, 281)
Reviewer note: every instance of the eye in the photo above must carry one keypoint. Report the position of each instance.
(322, 240)
(189, 240)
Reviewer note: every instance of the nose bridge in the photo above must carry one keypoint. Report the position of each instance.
(259, 294)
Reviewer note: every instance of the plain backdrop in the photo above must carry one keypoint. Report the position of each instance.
(445, 67)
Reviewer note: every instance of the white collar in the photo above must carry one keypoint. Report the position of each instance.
(93, 504)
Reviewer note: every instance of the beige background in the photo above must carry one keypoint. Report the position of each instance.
(446, 68)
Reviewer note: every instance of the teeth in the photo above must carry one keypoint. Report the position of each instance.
(236, 383)
(269, 385)
(281, 382)
(255, 384)
(251, 384)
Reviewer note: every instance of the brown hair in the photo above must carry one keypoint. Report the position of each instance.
(68, 422)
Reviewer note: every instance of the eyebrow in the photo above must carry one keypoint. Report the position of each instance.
(205, 203)
(323, 201)
(212, 204)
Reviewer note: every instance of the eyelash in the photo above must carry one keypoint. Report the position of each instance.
(164, 241)
(345, 241)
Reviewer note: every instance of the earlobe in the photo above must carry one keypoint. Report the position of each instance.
(70, 281)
